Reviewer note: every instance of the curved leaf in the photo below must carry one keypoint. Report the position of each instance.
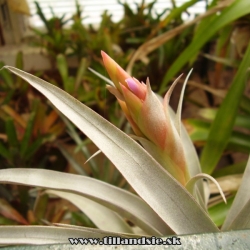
(191, 184)
(117, 199)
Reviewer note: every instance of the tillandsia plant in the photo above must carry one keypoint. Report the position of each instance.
(150, 119)
(165, 205)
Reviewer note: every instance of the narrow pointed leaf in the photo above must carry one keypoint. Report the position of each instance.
(223, 122)
(11, 132)
(92, 156)
(179, 109)
(27, 135)
(6, 76)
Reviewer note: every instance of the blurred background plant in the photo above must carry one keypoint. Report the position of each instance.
(159, 46)
(29, 129)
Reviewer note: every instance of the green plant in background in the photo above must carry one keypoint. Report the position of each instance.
(26, 122)
(121, 38)
(9, 85)
(77, 39)
(28, 130)
(167, 206)
(71, 84)
(91, 93)
(137, 28)
(54, 40)
(143, 25)
(161, 38)
(230, 11)
(83, 43)
(138, 24)
(86, 41)
(227, 54)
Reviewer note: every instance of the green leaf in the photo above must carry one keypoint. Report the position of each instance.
(31, 150)
(63, 69)
(8, 97)
(6, 221)
(237, 168)
(3, 151)
(40, 206)
(171, 201)
(237, 9)
(178, 11)
(7, 78)
(42, 16)
(199, 132)
(80, 73)
(19, 60)
(11, 133)
(240, 121)
(219, 211)
(245, 104)
(222, 126)
(82, 219)
(27, 135)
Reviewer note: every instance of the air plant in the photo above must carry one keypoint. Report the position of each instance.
(151, 121)
(164, 170)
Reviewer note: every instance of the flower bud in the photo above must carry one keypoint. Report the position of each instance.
(149, 119)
